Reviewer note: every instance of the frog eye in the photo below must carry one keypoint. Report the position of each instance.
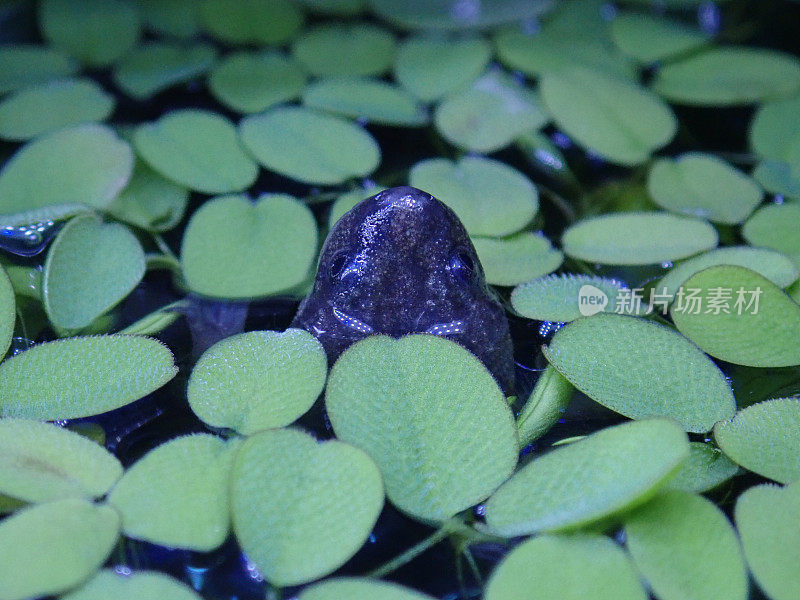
(462, 267)
(337, 265)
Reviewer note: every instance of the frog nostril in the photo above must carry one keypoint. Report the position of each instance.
(337, 265)
(462, 267)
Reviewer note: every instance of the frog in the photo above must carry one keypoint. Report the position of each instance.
(400, 263)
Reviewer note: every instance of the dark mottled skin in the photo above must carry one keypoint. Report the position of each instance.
(401, 262)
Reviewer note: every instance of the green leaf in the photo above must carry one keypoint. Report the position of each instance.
(489, 114)
(177, 494)
(141, 585)
(150, 201)
(728, 76)
(156, 66)
(442, 444)
(197, 149)
(258, 380)
(611, 358)
(307, 145)
(771, 264)
(760, 329)
(8, 312)
(704, 186)
(302, 508)
(270, 250)
(779, 177)
(250, 82)
(47, 107)
(90, 268)
(342, 8)
(96, 32)
(775, 130)
(589, 480)
(550, 51)
(371, 99)
(706, 468)
(24, 65)
(176, 18)
(649, 39)
(764, 438)
(565, 297)
(345, 49)
(49, 548)
(595, 109)
(776, 226)
(443, 15)
(517, 258)
(37, 216)
(40, 462)
(768, 519)
(431, 68)
(351, 587)
(83, 164)
(686, 548)
(545, 406)
(347, 201)
(489, 197)
(251, 21)
(638, 238)
(536, 569)
(82, 376)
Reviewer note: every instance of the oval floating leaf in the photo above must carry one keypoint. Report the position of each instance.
(270, 249)
(565, 297)
(24, 65)
(258, 380)
(545, 406)
(156, 66)
(350, 588)
(706, 468)
(517, 258)
(177, 494)
(773, 265)
(686, 548)
(82, 376)
(141, 585)
(374, 100)
(779, 177)
(598, 568)
(197, 149)
(776, 226)
(306, 145)
(84, 164)
(768, 519)
(775, 131)
(442, 444)
(739, 316)
(490, 114)
(430, 68)
(764, 438)
(176, 18)
(637, 238)
(49, 548)
(611, 358)
(288, 488)
(345, 49)
(150, 201)
(588, 480)
(47, 107)
(649, 38)
(703, 186)
(8, 312)
(96, 32)
(250, 82)
(732, 75)
(489, 197)
(596, 110)
(40, 462)
(251, 21)
(90, 267)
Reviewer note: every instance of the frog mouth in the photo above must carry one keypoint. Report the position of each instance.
(441, 329)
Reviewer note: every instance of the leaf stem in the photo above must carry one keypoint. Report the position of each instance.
(398, 561)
